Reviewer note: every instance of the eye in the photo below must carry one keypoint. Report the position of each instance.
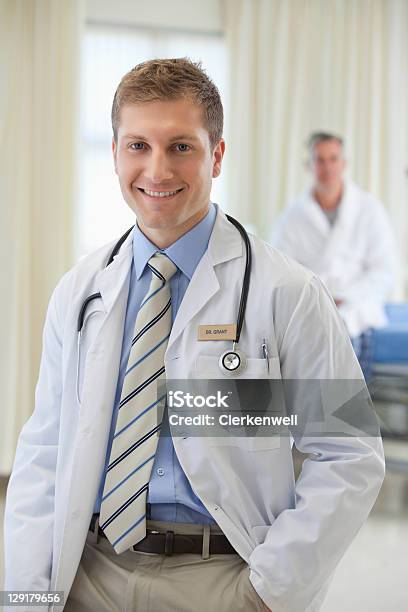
(137, 146)
(183, 148)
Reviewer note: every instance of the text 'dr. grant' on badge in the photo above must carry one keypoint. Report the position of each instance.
(217, 332)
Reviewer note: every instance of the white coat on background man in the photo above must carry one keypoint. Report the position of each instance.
(354, 252)
(292, 535)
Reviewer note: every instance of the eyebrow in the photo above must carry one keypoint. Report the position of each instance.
(174, 139)
(184, 137)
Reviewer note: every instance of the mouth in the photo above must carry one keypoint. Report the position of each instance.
(160, 195)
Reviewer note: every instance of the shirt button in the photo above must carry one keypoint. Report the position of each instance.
(160, 471)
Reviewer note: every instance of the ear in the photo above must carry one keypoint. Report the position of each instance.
(218, 154)
(114, 153)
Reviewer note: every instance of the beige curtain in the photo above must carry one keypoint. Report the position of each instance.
(39, 76)
(303, 65)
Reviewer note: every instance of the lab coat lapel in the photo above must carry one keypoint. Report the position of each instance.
(315, 214)
(338, 232)
(109, 281)
(225, 244)
(329, 238)
(104, 354)
(347, 210)
(99, 387)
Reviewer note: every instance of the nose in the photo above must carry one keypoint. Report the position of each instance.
(158, 169)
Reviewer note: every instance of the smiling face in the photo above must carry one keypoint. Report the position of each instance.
(165, 166)
(327, 164)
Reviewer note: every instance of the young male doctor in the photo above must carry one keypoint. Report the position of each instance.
(119, 518)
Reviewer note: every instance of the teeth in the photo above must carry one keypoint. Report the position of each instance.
(160, 194)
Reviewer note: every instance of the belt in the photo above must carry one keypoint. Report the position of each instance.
(170, 543)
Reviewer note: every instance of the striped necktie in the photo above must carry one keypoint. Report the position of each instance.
(123, 507)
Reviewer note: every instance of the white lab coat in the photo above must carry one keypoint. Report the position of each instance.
(291, 536)
(355, 258)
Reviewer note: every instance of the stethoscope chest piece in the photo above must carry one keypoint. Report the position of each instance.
(232, 362)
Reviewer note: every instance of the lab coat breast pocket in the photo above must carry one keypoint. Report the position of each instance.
(90, 328)
(207, 367)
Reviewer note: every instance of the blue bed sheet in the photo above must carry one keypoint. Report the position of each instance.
(390, 344)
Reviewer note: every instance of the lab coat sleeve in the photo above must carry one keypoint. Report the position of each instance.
(340, 480)
(29, 511)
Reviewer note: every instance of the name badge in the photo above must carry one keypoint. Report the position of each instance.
(217, 332)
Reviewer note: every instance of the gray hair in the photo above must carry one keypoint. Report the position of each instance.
(316, 137)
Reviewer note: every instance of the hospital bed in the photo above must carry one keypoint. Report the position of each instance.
(388, 382)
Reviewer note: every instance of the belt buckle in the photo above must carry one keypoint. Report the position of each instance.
(148, 532)
(169, 543)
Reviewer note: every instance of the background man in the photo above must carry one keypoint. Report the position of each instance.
(344, 235)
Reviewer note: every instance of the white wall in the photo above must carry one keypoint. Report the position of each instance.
(199, 15)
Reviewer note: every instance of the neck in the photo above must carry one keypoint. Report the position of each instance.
(164, 237)
(328, 198)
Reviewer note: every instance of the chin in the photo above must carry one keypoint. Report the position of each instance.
(328, 183)
(153, 217)
(158, 221)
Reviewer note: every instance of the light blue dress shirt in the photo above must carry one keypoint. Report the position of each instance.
(170, 496)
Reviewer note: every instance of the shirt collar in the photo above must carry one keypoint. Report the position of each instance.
(186, 252)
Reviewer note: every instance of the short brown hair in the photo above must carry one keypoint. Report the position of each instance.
(171, 79)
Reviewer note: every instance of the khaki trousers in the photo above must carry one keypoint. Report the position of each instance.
(150, 582)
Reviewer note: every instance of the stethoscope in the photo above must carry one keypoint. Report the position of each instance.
(231, 362)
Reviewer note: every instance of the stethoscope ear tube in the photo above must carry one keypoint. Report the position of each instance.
(232, 362)
(247, 276)
(117, 246)
(84, 306)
